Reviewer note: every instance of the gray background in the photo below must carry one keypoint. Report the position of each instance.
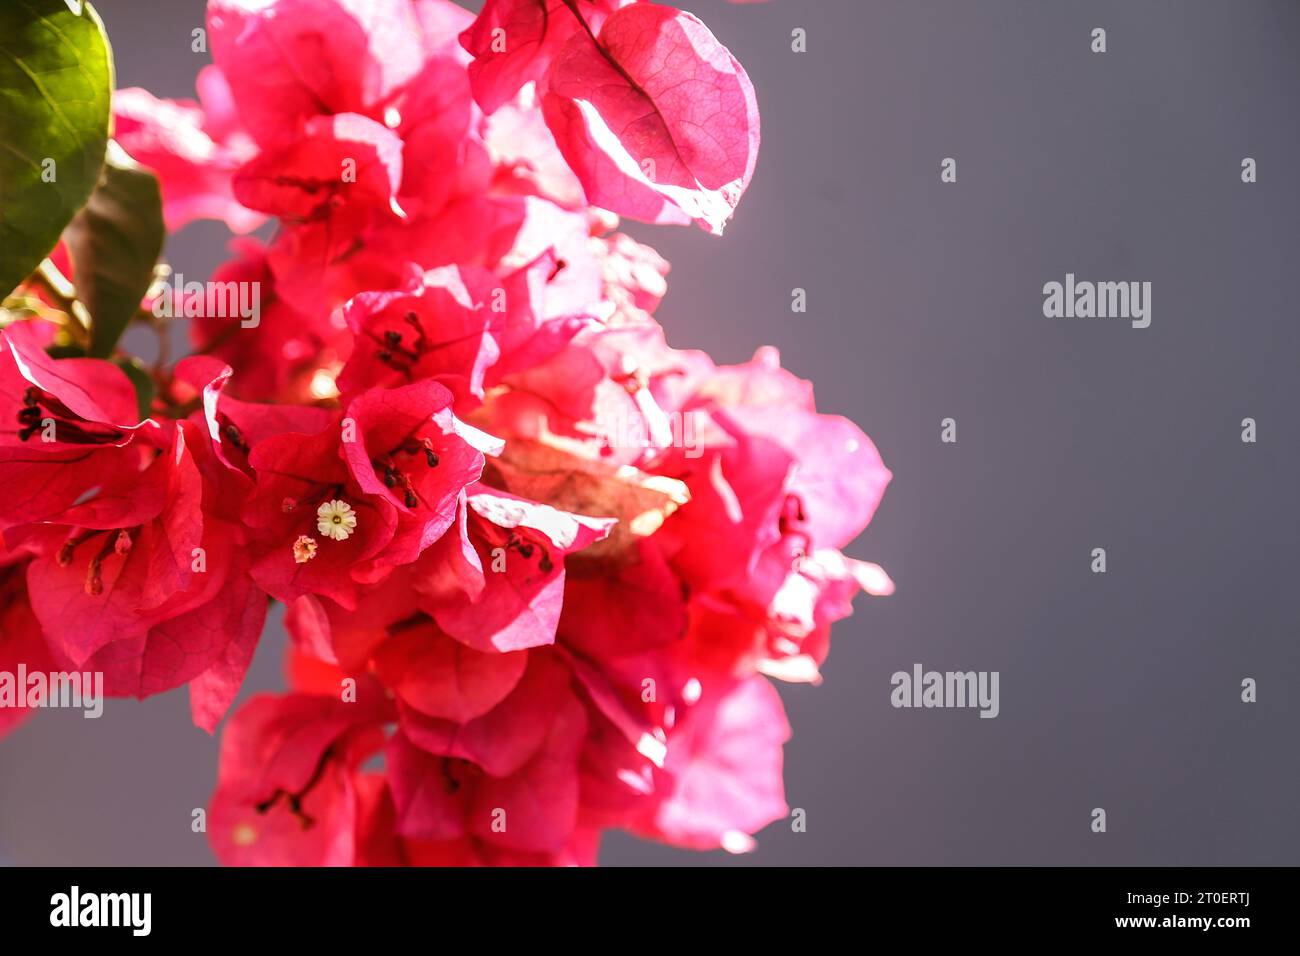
(1118, 690)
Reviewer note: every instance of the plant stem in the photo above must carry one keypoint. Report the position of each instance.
(50, 280)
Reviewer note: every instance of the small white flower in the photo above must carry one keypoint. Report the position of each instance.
(336, 519)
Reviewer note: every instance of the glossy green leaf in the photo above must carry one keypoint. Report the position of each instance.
(56, 81)
(114, 241)
(144, 386)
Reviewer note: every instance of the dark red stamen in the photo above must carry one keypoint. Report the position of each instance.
(296, 798)
(40, 408)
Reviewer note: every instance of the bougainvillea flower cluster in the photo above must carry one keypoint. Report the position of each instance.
(538, 567)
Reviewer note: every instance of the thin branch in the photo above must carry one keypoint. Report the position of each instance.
(50, 280)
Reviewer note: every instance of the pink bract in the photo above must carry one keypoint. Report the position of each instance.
(538, 565)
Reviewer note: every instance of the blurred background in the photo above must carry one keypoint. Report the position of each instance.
(1120, 690)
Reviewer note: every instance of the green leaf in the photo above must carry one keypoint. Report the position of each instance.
(114, 243)
(56, 81)
(144, 387)
(65, 352)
